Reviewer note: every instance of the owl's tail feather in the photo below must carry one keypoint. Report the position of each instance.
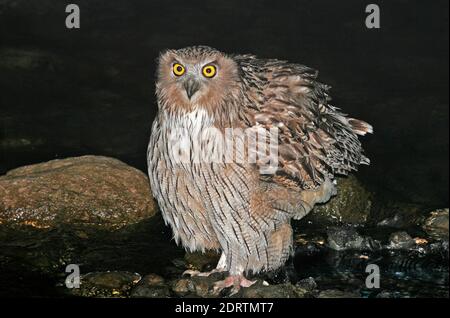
(360, 127)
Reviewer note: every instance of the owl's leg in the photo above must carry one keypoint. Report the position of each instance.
(234, 281)
(221, 267)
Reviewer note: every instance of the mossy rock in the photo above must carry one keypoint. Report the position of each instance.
(351, 205)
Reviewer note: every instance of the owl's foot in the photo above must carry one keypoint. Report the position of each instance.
(234, 281)
(194, 273)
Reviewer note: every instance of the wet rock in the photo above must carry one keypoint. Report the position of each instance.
(203, 285)
(183, 286)
(141, 247)
(351, 205)
(308, 284)
(396, 214)
(334, 293)
(396, 221)
(150, 292)
(386, 294)
(436, 224)
(202, 261)
(152, 280)
(88, 190)
(401, 240)
(151, 286)
(347, 238)
(106, 284)
(196, 286)
(260, 290)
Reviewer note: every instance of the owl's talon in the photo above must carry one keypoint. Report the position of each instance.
(235, 281)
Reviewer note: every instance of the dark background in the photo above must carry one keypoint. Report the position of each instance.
(91, 91)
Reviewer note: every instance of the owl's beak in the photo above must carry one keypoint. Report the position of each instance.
(191, 86)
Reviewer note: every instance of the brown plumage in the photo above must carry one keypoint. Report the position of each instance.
(233, 205)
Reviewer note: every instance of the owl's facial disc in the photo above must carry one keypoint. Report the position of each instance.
(193, 78)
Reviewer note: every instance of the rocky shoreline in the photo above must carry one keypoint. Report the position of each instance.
(97, 212)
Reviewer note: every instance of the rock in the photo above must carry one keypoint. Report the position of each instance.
(351, 205)
(386, 294)
(106, 284)
(395, 214)
(142, 291)
(152, 280)
(347, 238)
(151, 286)
(258, 290)
(440, 247)
(401, 240)
(150, 292)
(202, 261)
(203, 285)
(436, 224)
(308, 284)
(196, 286)
(183, 286)
(334, 293)
(141, 247)
(88, 190)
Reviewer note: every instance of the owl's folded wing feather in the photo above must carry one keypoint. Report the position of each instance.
(315, 140)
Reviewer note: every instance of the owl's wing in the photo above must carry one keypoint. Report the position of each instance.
(315, 140)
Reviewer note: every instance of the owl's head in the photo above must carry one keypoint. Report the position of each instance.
(195, 77)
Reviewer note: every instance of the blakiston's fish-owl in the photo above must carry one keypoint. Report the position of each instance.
(214, 200)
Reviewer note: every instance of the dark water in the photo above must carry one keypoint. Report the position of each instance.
(91, 91)
(403, 273)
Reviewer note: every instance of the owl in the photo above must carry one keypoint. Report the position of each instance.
(239, 147)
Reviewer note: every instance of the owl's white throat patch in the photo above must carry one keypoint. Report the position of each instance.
(189, 135)
(193, 138)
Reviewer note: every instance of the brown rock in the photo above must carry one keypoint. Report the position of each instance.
(151, 286)
(88, 190)
(152, 280)
(106, 284)
(183, 286)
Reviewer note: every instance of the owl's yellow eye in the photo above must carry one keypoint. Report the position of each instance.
(209, 71)
(178, 69)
